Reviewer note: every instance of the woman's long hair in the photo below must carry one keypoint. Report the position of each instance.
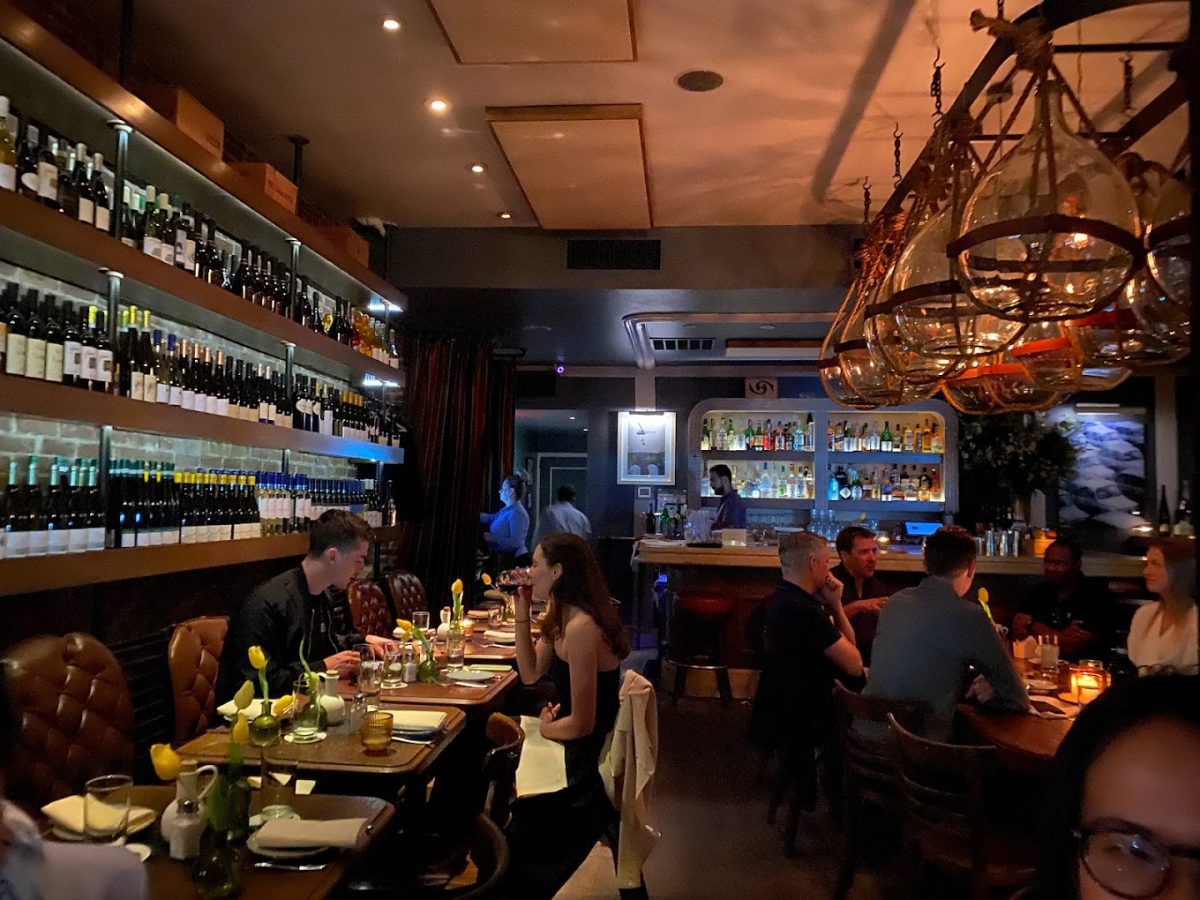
(581, 585)
(1180, 558)
(1115, 712)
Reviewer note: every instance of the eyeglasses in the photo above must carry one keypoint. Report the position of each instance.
(1126, 862)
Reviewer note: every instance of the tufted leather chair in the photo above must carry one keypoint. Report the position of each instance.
(75, 717)
(369, 612)
(408, 594)
(193, 656)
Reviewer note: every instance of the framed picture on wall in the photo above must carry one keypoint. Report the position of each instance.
(645, 448)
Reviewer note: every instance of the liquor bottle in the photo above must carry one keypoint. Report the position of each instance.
(926, 438)
(1183, 512)
(923, 485)
(103, 382)
(1164, 513)
(35, 340)
(27, 164)
(47, 171)
(935, 439)
(101, 205)
(8, 151)
(15, 343)
(705, 439)
(53, 336)
(150, 225)
(935, 485)
(910, 438)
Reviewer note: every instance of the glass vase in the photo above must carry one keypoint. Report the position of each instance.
(427, 668)
(265, 728)
(456, 645)
(217, 871)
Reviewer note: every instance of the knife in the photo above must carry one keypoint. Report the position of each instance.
(290, 867)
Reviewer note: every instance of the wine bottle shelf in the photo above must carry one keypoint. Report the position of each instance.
(764, 502)
(854, 458)
(760, 455)
(46, 400)
(77, 251)
(43, 573)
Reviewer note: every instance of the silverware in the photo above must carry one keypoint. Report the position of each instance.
(405, 740)
(290, 867)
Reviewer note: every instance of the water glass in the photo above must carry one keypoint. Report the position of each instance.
(456, 650)
(393, 666)
(106, 802)
(376, 732)
(370, 676)
(278, 782)
(1048, 652)
(495, 617)
(420, 619)
(363, 651)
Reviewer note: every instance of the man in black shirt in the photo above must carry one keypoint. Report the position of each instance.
(863, 595)
(295, 608)
(1067, 603)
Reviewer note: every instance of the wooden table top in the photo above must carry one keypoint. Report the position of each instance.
(342, 750)
(481, 651)
(1026, 741)
(466, 697)
(171, 879)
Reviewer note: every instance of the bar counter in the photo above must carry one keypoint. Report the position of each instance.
(677, 553)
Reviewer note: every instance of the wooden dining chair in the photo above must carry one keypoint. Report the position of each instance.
(369, 609)
(193, 661)
(408, 594)
(500, 766)
(947, 820)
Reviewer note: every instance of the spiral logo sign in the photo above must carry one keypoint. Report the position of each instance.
(762, 388)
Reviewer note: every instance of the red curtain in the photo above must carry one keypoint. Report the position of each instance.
(449, 386)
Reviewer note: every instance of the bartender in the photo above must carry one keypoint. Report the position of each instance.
(732, 511)
(864, 594)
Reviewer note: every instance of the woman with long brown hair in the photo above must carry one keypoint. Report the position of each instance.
(1162, 636)
(580, 650)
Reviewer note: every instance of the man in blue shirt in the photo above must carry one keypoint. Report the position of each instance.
(563, 517)
(732, 511)
(509, 528)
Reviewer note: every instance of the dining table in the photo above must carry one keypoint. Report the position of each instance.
(171, 879)
(469, 698)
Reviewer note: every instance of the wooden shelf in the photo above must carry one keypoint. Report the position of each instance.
(921, 459)
(45, 49)
(760, 455)
(899, 507)
(64, 570)
(46, 400)
(175, 294)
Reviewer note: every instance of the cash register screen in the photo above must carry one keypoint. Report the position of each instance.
(920, 529)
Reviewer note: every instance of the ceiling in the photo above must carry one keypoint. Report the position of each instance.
(811, 96)
(557, 420)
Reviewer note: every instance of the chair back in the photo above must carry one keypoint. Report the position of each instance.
(408, 594)
(74, 714)
(193, 659)
(500, 766)
(868, 754)
(490, 854)
(943, 784)
(369, 610)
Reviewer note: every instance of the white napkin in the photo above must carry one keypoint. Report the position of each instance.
(279, 834)
(228, 709)
(543, 765)
(501, 637)
(416, 720)
(67, 813)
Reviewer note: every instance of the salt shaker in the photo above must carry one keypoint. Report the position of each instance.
(187, 829)
(356, 711)
(408, 668)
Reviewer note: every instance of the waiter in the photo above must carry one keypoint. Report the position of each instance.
(864, 594)
(732, 511)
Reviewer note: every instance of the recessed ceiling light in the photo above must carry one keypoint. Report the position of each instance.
(391, 23)
(700, 80)
(572, 418)
(477, 168)
(504, 215)
(437, 105)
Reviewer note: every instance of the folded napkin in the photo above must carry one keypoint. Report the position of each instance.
(500, 637)
(413, 719)
(228, 709)
(492, 667)
(282, 834)
(478, 613)
(67, 813)
(543, 765)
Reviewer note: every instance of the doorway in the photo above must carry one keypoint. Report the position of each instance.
(551, 449)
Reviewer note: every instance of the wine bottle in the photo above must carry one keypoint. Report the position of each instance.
(1183, 512)
(8, 150)
(16, 340)
(166, 229)
(187, 384)
(1164, 513)
(72, 349)
(85, 205)
(53, 335)
(54, 510)
(27, 163)
(96, 512)
(101, 205)
(162, 369)
(174, 374)
(16, 538)
(88, 379)
(220, 385)
(104, 357)
(47, 170)
(35, 340)
(35, 514)
(150, 228)
(7, 298)
(147, 341)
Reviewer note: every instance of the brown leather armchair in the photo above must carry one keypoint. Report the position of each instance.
(369, 612)
(408, 594)
(75, 717)
(193, 657)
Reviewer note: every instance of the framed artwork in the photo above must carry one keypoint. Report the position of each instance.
(1109, 489)
(645, 448)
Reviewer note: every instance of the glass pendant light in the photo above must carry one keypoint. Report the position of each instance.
(1049, 357)
(1014, 390)
(1115, 337)
(872, 380)
(1050, 231)
(968, 392)
(829, 367)
(891, 348)
(1169, 245)
(1102, 378)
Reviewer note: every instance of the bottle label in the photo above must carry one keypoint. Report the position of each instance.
(222, 407)
(16, 544)
(264, 412)
(149, 388)
(14, 354)
(54, 362)
(128, 538)
(102, 218)
(87, 210)
(137, 382)
(104, 366)
(166, 252)
(210, 404)
(87, 363)
(47, 185)
(8, 177)
(179, 253)
(188, 399)
(39, 543)
(189, 255)
(35, 358)
(77, 540)
(72, 359)
(57, 540)
(95, 538)
(175, 395)
(162, 393)
(152, 246)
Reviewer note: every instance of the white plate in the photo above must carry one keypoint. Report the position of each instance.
(64, 834)
(468, 675)
(280, 853)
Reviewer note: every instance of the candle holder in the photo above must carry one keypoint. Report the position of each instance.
(1089, 679)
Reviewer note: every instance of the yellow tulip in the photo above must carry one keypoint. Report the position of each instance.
(984, 597)
(166, 761)
(486, 579)
(244, 696)
(457, 587)
(282, 705)
(404, 625)
(258, 659)
(241, 730)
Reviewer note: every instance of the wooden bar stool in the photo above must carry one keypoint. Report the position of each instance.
(696, 623)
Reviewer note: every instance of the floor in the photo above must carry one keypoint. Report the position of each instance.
(711, 811)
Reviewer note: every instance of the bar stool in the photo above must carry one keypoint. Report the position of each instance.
(694, 640)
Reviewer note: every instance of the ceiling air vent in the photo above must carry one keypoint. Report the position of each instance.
(681, 345)
(628, 254)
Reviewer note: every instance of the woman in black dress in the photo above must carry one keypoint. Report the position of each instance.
(580, 650)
